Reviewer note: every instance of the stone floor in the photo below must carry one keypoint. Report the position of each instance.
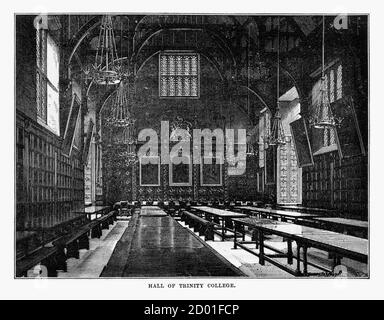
(92, 261)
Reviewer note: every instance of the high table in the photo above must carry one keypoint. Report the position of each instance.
(153, 211)
(221, 217)
(340, 245)
(94, 210)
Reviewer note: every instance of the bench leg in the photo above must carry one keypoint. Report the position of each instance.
(261, 250)
(255, 237)
(84, 242)
(73, 250)
(99, 231)
(105, 225)
(51, 266)
(222, 230)
(61, 259)
(235, 236)
(336, 261)
(94, 233)
(228, 223)
(209, 234)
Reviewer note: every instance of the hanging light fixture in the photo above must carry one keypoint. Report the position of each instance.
(121, 115)
(122, 123)
(106, 68)
(322, 117)
(277, 136)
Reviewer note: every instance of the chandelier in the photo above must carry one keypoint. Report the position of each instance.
(107, 66)
(277, 136)
(120, 114)
(322, 115)
(120, 119)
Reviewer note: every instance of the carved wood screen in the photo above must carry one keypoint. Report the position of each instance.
(288, 174)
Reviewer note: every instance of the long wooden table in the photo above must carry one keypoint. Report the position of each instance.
(344, 225)
(340, 245)
(305, 209)
(221, 217)
(154, 246)
(277, 214)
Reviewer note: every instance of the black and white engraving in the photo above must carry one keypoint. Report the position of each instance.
(191, 145)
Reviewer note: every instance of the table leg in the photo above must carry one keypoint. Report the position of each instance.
(235, 238)
(289, 253)
(305, 261)
(255, 237)
(298, 258)
(222, 229)
(336, 261)
(261, 250)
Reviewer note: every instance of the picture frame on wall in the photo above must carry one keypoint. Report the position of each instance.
(299, 131)
(211, 175)
(88, 139)
(149, 173)
(72, 123)
(349, 138)
(180, 175)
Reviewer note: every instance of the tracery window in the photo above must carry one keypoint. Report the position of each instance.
(179, 75)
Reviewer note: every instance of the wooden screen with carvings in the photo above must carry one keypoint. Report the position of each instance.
(288, 174)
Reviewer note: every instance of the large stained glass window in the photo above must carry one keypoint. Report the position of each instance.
(179, 75)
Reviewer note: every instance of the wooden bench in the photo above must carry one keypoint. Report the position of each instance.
(200, 225)
(96, 226)
(44, 255)
(54, 257)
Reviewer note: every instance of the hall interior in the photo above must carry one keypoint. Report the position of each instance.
(185, 145)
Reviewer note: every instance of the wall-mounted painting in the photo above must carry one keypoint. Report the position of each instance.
(350, 142)
(150, 172)
(88, 139)
(302, 144)
(180, 174)
(72, 127)
(210, 174)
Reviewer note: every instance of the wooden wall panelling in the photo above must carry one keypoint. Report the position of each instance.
(49, 185)
(337, 184)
